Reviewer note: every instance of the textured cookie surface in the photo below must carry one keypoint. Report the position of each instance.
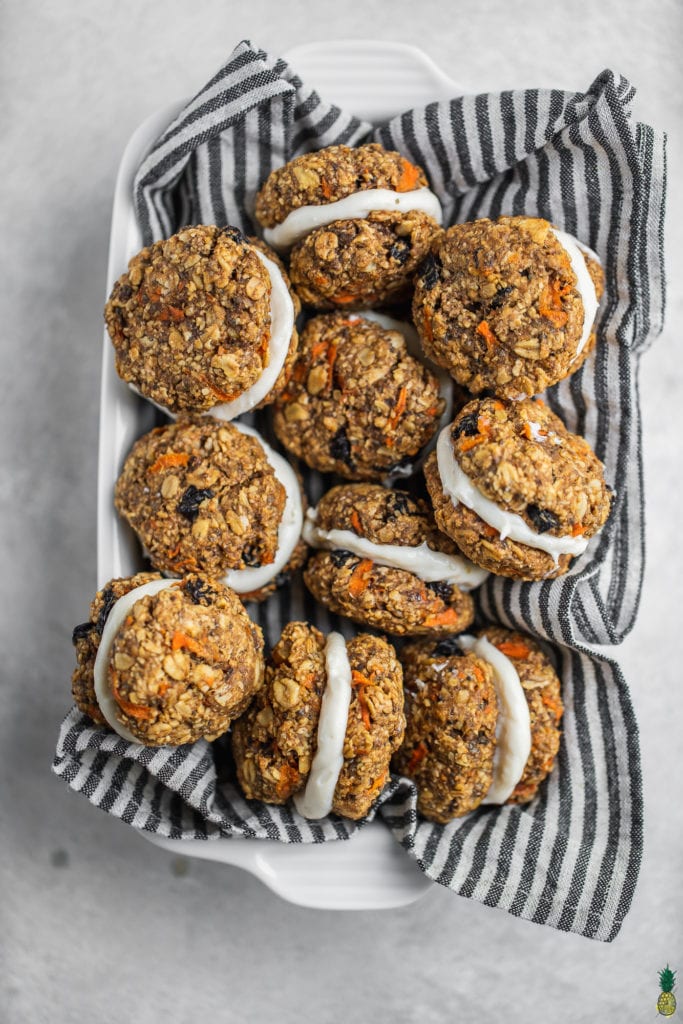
(521, 456)
(185, 662)
(328, 175)
(391, 599)
(190, 320)
(497, 304)
(361, 263)
(357, 403)
(201, 496)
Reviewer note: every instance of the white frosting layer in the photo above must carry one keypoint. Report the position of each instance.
(316, 799)
(445, 380)
(422, 561)
(513, 728)
(460, 488)
(281, 327)
(584, 281)
(357, 206)
(243, 581)
(117, 616)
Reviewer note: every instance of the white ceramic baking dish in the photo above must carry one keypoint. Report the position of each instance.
(375, 80)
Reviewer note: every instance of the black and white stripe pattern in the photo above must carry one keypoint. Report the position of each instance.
(569, 859)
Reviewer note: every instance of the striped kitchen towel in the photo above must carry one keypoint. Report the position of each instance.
(570, 858)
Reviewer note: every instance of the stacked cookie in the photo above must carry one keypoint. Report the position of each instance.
(207, 326)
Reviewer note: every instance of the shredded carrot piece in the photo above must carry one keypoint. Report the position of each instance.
(577, 529)
(359, 577)
(171, 313)
(400, 408)
(554, 705)
(264, 348)
(498, 405)
(320, 281)
(358, 679)
(478, 674)
(168, 460)
(484, 425)
(163, 687)
(526, 430)
(132, 710)
(356, 523)
(379, 782)
(325, 189)
(344, 297)
(289, 777)
(183, 640)
(550, 303)
(410, 175)
(225, 396)
(489, 531)
(514, 649)
(487, 334)
(448, 617)
(471, 442)
(432, 410)
(307, 680)
(318, 349)
(418, 754)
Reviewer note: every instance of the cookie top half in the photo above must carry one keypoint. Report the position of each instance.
(507, 305)
(357, 402)
(167, 661)
(331, 174)
(199, 318)
(202, 496)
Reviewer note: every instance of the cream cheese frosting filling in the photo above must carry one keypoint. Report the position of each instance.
(316, 799)
(120, 611)
(459, 488)
(415, 349)
(584, 281)
(513, 728)
(300, 222)
(425, 563)
(281, 329)
(244, 581)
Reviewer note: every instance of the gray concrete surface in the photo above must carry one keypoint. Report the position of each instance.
(95, 924)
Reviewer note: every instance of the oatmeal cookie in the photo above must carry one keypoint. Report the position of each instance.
(507, 305)
(167, 661)
(360, 221)
(276, 743)
(452, 710)
(518, 493)
(204, 320)
(357, 403)
(382, 562)
(206, 496)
